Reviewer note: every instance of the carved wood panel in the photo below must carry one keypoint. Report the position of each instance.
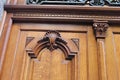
(51, 56)
(60, 58)
(52, 40)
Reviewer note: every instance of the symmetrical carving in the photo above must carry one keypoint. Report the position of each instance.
(50, 39)
(100, 28)
(70, 2)
(53, 40)
(76, 2)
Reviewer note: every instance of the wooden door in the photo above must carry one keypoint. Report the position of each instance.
(49, 52)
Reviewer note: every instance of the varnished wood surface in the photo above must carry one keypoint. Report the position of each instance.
(96, 59)
(4, 39)
(63, 7)
(16, 71)
(57, 13)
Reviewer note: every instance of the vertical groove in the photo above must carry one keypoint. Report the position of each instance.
(115, 56)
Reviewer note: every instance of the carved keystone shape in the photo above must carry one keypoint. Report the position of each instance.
(100, 28)
(52, 40)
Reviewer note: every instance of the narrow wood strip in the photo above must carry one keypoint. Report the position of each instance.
(101, 59)
(4, 39)
(2, 23)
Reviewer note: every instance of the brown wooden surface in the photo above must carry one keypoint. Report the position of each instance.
(56, 67)
(4, 39)
(69, 13)
(96, 59)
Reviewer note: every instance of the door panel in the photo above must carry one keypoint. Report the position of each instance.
(48, 64)
(61, 52)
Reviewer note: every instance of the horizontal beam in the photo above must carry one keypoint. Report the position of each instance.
(64, 13)
(63, 8)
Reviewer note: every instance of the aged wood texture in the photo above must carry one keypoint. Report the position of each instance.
(4, 39)
(48, 65)
(10, 54)
(100, 29)
(117, 52)
(101, 59)
(97, 57)
(112, 73)
(92, 55)
(53, 13)
(52, 40)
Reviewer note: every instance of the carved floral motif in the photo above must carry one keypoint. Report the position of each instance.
(100, 29)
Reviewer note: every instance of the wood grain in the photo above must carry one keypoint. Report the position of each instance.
(4, 39)
(110, 56)
(10, 53)
(92, 56)
(117, 50)
(101, 59)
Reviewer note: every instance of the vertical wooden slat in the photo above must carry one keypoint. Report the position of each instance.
(26, 68)
(23, 66)
(101, 59)
(92, 56)
(76, 67)
(72, 69)
(117, 48)
(10, 53)
(82, 58)
(30, 75)
(69, 74)
(18, 59)
(4, 39)
(110, 57)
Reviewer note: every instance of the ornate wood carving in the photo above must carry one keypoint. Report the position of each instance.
(65, 15)
(52, 40)
(58, 17)
(100, 28)
(24, 13)
(70, 2)
(76, 2)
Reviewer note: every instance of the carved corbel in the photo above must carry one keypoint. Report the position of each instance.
(100, 28)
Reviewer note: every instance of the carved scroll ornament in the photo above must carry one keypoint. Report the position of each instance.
(52, 40)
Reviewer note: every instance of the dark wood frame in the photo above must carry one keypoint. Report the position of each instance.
(57, 13)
